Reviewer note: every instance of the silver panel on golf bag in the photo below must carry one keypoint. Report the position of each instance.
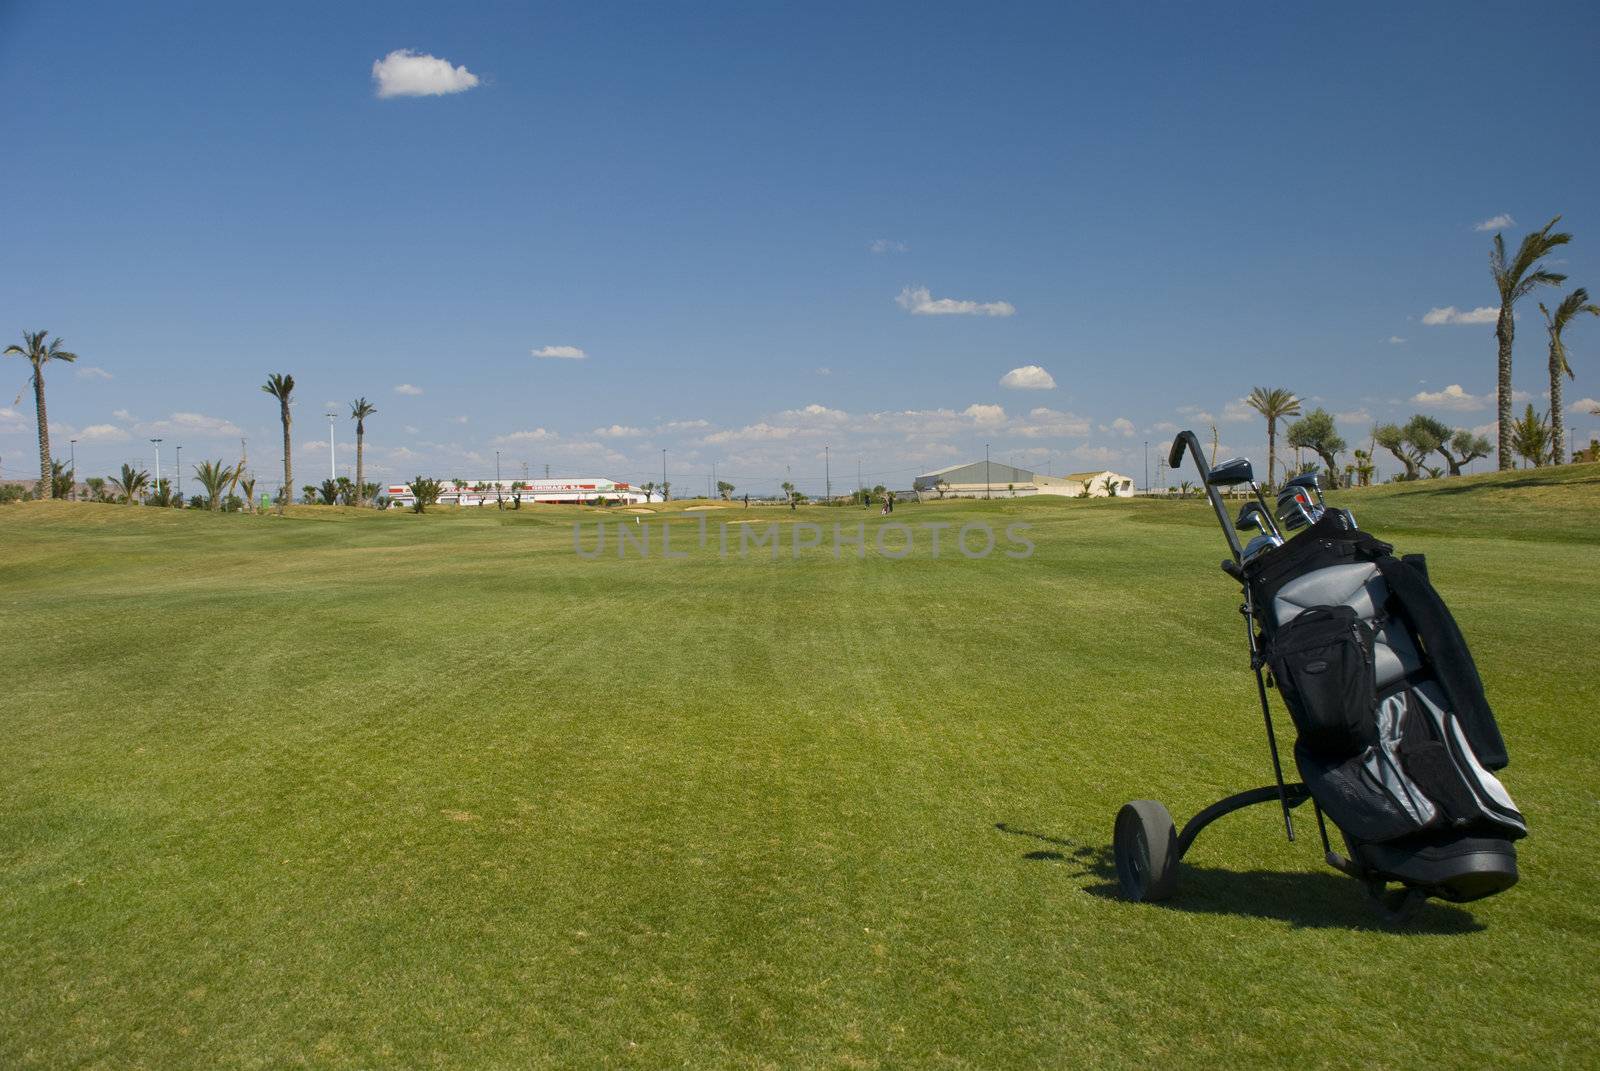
(1359, 586)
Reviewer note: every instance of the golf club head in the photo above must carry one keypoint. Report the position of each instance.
(1253, 516)
(1297, 511)
(1232, 472)
(1308, 482)
(1260, 544)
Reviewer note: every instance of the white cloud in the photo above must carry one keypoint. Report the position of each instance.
(409, 429)
(123, 414)
(814, 412)
(103, 433)
(761, 432)
(1238, 411)
(1495, 223)
(537, 435)
(197, 424)
(404, 73)
(462, 419)
(1452, 398)
(887, 245)
(566, 353)
(1120, 426)
(684, 425)
(89, 371)
(1584, 405)
(1396, 340)
(920, 302)
(985, 416)
(1449, 314)
(617, 431)
(824, 371)
(1028, 377)
(1354, 416)
(408, 390)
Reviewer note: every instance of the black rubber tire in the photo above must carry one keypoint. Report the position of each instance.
(1146, 848)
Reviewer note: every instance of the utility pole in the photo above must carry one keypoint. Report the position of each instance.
(714, 482)
(861, 484)
(179, 466)
(497, 504)
(333, 473)
(827, 478)
(157, 444)
(1147, 466)
(663, 474)
(72, 471)
(985, 470)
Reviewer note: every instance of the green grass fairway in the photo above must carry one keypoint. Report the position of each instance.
(353, 790)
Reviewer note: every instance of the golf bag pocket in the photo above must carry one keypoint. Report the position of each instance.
(1323, 663)
(1368, 795)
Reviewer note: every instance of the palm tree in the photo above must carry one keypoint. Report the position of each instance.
(131, 484)
(1514, 280)
(1530, 437)
(281, 385)
(38, 354)
(1273, 404)
(360, 410)
(1572, 306)
(215, 477)
(97, 488)
(249, 489)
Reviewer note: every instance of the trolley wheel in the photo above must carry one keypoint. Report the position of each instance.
(1146, 847)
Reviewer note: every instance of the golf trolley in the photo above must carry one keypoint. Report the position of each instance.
(1394, 738)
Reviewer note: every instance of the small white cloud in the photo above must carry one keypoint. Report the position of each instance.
(1449, 314)
(1584, 405)
(887, 245)
(918, 301)
(462, 419)
(1028, 377)
(1396, 340)
(1238, 411)
(1452, 398)
(1120, 426)
(408, 390)
(91, 372)
(565, 353)
(103, 433)
(537, 435)
(404, 73)
(195, 424)
(1495, 223)
(815, 412)
(824, 371)
(985, 416)
(618, 431)
(123, 414)
(1354, 416)
(684, 425)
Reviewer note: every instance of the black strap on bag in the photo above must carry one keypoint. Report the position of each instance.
(1447, 653)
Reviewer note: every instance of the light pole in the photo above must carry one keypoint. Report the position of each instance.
(179, 466)
(497, 504)
(333, 473)
(986, 470)
(827, 479)
(1147, 466)
(157, 444)
(663, 474)
(72, 471)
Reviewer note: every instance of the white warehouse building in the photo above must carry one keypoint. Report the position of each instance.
(994, 479)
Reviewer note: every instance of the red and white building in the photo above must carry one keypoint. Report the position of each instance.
(570, 491)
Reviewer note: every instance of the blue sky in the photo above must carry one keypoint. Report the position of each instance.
(770, 230)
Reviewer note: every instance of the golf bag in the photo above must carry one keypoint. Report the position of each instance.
(1395, 739)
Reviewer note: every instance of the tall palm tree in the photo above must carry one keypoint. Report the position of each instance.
(131, 484)
(281, 386)
(1514, 280)
(38, 353)
(360, 410)
(1273, 404)
(1571, 307)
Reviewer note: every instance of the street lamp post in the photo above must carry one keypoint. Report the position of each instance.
(333, 473)
(72, 471)
(157, 444)
(827, 478)
(663, 474)
(1147, 466)
(986, 470)
(497, 502)
(179, 466)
